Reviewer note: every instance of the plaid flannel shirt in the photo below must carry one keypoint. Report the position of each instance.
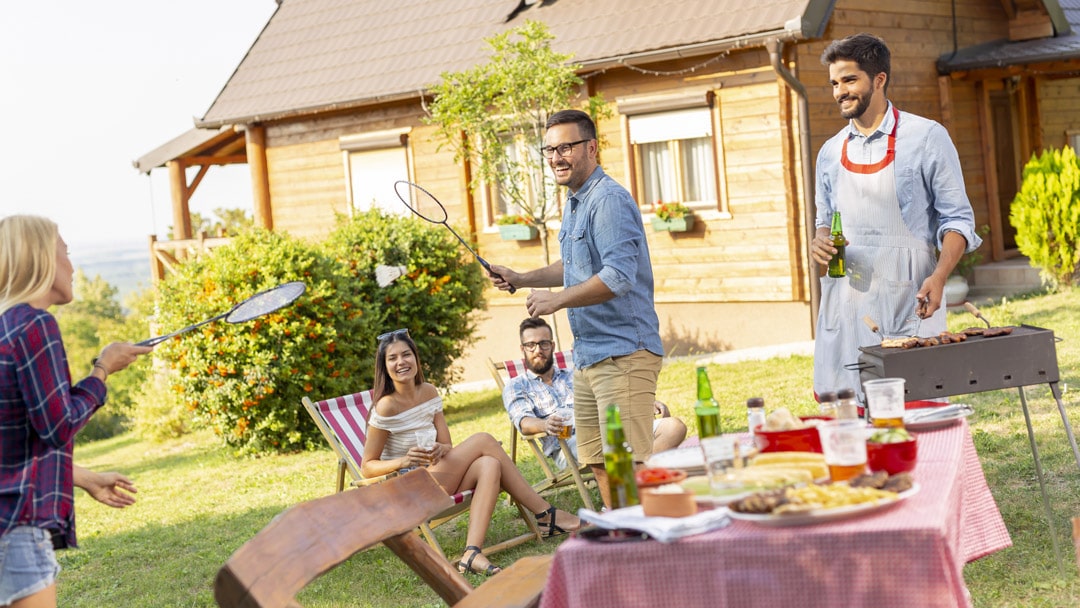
(528, 395)
(40, 412)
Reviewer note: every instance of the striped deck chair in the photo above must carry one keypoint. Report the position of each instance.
(343, 422)
(574, 473)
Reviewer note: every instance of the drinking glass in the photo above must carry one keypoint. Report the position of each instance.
(425, 439)
(885, 401)
(566, 416)
(719, 453)
(844, 444)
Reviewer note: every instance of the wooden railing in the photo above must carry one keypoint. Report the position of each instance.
(168, 256)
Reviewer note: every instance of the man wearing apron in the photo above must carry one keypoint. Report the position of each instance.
(895, 178)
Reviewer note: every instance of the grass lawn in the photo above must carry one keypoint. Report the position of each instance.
(197, 503)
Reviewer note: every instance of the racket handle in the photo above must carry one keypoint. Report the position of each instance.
(499, 276)
(487, 267)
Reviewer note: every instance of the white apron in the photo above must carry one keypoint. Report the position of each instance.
(886, 265)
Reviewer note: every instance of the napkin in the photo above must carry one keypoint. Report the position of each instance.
(663, 529)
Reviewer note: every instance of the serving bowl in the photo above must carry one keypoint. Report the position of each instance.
(660, 503)
(892, 457)
(796, 440)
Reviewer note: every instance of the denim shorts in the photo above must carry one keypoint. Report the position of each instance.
(27, 563)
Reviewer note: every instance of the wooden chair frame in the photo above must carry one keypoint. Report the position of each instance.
(343, 423)
(309, 539)
(575, 473)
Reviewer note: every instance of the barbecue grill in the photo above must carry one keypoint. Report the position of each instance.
(1025, 357)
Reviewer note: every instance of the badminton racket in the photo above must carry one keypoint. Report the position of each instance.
(257, 305)
(428, 208)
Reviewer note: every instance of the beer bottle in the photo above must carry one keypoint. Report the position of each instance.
(836, 264)
(706, 408)
(619, 462)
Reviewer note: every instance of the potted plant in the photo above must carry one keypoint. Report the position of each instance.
(956, 287)
(672, 217)
(516, 228)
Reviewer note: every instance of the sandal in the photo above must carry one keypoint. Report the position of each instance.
(553, 529)
(466, 566)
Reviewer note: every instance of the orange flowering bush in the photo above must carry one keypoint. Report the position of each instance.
(245, 381)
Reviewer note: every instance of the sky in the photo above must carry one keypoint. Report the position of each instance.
(88, 87)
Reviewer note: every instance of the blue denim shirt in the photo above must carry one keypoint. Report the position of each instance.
(602, 234)
(929, 181)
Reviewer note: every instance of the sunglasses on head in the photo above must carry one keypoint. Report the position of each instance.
(390, 334)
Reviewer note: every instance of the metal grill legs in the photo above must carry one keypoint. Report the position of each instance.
(1055, 389)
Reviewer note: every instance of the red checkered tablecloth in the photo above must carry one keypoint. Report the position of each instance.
(911, 554)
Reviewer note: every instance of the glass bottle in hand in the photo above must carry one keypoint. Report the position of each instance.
(837, 265)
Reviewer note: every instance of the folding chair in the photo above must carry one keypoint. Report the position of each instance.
(343, 422)
(313, 537)
(574, 472)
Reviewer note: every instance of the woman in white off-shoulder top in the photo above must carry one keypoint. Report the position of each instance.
(404, 404)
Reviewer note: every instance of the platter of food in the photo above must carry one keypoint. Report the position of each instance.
(689, 459)
(929, 418)
(813, 504)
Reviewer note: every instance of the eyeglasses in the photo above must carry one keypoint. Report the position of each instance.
(563, 149)
(543, 345)
(391, 334)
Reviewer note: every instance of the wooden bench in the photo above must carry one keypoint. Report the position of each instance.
(311, 538)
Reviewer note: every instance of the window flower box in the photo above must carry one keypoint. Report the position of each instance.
(516, 228)
(682, 224)
(517, 232)
(672, 217)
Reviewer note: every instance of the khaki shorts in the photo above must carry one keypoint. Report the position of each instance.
(629, 382)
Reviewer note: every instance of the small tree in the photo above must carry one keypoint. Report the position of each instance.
(502, 108)
(1046, 215)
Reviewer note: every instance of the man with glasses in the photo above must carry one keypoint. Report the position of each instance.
(532, 398)
(607, 281)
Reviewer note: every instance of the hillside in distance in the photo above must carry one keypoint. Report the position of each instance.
(124, 265)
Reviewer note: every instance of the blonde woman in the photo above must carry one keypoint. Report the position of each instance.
(40, 412)
(404, 405)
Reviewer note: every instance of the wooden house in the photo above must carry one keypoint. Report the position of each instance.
(719, 104)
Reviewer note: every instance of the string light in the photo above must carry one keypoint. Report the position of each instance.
(648, 72)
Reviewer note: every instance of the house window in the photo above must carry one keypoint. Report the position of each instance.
(373, 163)
(524, 163)
(674, 158)
(1073, 139)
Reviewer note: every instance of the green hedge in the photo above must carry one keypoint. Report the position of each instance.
(245, 381)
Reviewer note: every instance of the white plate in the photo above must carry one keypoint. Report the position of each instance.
(934, 422)
(816, 516)
(689, 459)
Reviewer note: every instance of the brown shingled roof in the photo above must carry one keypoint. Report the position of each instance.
(319, 55)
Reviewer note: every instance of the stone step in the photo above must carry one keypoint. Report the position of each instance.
(1016, 272)
(1003, 279)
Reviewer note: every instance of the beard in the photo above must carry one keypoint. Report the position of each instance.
(540, 368)
(861, 104)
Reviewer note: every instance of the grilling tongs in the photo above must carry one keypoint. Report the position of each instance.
(975, 311)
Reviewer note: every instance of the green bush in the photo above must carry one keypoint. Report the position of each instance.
(434, 300)
(245, 381)
(1046, 215)
(91, 321)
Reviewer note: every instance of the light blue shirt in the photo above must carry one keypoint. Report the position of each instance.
(602, 234)
(929, 181)
(528, 395)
